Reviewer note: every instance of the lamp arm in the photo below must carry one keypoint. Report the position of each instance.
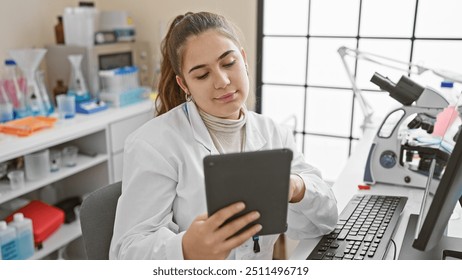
(412, 68)
(408, 67)
(365, 106)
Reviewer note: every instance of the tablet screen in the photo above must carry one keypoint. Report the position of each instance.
(260, 179)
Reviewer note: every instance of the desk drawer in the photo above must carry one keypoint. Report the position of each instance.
(121, 129)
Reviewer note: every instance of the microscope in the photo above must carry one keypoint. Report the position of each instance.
(403, 148)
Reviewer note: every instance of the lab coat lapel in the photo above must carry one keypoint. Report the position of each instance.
(200, 131)
(254, 138)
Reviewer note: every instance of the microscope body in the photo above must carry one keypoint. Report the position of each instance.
(391, 154)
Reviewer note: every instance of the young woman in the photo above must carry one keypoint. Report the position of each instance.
(161, 213)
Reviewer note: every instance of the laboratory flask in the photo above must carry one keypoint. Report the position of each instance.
(40, 76)
(6, 107)
(15, 86)
(28, 61)
(77, 85)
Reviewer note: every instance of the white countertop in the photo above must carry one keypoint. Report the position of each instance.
(64, 130)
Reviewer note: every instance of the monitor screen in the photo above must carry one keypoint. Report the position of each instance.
(444, 188)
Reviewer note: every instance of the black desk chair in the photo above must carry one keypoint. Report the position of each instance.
(97, 215)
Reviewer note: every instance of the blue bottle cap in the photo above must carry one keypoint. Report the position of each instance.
(10, 62)
(447, 84)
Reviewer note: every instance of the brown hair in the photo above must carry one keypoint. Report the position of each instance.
(172, 48)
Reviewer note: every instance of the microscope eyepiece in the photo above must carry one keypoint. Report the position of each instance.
(383, 82)
(405, 91)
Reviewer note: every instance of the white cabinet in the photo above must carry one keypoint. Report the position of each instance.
(101, 134)
(118, 132)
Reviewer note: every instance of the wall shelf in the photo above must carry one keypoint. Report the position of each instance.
(83, 163)
(65, 234)
(103, 132)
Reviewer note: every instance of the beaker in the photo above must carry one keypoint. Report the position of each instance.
(69, 156)
(37, 165)
(66, 106)
(77, 85)
(28, 61)
(44, 92)
(16, 179)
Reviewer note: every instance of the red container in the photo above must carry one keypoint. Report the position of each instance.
(46, 219)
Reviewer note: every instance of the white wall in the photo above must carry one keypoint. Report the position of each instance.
(30, 23)
(152, 17)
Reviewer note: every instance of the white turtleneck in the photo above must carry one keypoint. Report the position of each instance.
(227, 135)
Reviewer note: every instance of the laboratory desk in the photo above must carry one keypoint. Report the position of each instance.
(347, 185)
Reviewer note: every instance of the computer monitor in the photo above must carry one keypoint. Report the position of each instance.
(425, 236)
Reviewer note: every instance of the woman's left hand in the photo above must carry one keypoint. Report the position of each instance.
(296, 189)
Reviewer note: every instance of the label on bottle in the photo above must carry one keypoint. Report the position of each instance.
(34, 106)
(9, 250)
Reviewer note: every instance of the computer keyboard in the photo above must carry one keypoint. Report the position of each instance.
(363, 231)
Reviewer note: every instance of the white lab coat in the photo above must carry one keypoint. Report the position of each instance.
(163, 187)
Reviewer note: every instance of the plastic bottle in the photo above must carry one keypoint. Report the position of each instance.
(14, 86)
(24, 234)
(6, 107)
(8, 242)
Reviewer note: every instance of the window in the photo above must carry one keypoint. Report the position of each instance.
(301, 80)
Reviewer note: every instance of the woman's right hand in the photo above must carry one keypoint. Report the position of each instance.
(206, 238)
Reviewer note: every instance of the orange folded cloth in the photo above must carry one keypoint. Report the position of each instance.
(26, 126)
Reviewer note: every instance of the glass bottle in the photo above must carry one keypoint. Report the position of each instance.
(59, 31)
(60, 88)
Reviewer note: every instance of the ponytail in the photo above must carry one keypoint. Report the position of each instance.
(170, 93)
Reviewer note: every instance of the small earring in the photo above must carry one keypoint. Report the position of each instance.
(187, 96)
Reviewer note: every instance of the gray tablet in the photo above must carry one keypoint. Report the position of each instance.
(260, 179)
